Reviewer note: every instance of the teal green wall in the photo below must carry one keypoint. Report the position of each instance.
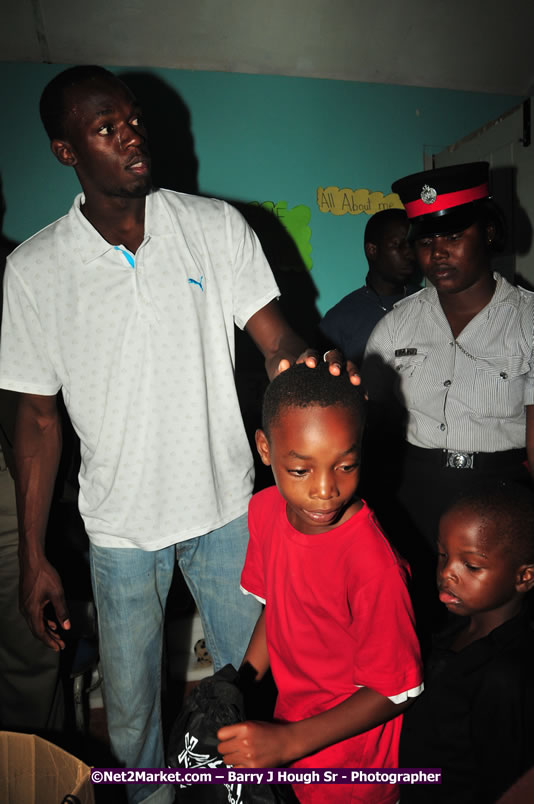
(260, 138)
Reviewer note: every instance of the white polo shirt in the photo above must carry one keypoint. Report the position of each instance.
(467, 393)
(143, 351)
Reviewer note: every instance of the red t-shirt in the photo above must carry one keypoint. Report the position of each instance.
(338, 616)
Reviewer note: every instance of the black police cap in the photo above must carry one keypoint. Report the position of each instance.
(444, 200)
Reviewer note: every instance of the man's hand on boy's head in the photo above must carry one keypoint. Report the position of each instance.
(256, 744)
(274, 337)
(333, 357)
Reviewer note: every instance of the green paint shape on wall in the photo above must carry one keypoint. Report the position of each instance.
(296, 222)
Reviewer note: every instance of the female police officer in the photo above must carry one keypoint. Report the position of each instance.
(459, 353)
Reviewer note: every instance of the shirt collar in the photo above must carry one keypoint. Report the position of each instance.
(159, 218)
(92, 245)
(504, 292)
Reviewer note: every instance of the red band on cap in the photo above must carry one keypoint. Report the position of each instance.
(446, 201)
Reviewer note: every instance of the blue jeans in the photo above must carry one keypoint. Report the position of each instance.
(130, 588)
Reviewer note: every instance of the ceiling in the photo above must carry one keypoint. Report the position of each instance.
(479, 45)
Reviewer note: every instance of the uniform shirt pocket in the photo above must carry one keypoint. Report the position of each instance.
(499, 390)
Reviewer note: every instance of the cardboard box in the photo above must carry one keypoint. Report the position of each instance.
(34, 771)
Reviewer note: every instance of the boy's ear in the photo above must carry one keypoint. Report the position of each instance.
(262, 445)
(63, 152)
(525, 578)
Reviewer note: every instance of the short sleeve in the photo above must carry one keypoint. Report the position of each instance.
(25, 365)
(378, 375)
(380, 340)
(254, 283)
(528, 394)
(386, 654)
(253, 575)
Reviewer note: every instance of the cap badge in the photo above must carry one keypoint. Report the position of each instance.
(428, 194)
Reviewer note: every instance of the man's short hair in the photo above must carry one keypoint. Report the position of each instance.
(378, 222)
(506, 510)
(302, 387)
(52, 107)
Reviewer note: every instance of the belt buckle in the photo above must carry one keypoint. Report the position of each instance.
(459, 460)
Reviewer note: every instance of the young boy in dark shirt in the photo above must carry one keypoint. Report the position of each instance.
(475, 718)
(337, 628)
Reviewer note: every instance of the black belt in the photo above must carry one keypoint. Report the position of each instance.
(456, 459)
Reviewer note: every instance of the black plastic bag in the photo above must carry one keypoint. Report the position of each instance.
(216, 702)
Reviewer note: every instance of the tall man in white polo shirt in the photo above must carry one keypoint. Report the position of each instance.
(127, 305)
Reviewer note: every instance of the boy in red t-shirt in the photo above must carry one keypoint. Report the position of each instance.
(337, 629)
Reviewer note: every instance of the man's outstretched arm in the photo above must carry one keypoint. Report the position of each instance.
(281, 346)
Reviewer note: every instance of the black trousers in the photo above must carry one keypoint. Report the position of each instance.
(427, 488)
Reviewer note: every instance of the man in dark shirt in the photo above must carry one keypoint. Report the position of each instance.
(391, 277)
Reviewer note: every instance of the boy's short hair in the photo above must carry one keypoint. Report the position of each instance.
(52, 105)
(302, 387)
(508, 506)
